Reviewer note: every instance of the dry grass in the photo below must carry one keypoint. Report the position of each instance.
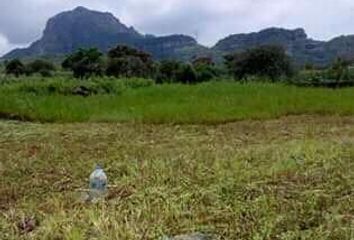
(290, 178)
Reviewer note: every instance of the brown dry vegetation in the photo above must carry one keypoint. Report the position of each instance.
(290, 178)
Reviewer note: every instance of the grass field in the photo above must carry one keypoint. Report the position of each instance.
(290, 178)
(213, 102)
(241, 161)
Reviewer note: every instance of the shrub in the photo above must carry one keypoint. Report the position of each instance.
(265, 61)
(187, 74)
(15, 67)
(339, 74)
(203, 61)
(44, 68)
(124, 61)
(85, 63)
(177, 72)
(63, 86)
(168, 71)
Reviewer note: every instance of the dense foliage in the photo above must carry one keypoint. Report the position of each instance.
(84, 63)
(127, 62)
(339, 74)
(202, 70)
(15, 67)
(264, 61)
(124, 61)
(42, 67)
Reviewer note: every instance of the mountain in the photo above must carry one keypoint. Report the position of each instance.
(296, 43)
(175, 46)
(81, 27)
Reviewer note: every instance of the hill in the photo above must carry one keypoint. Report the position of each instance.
(81, 27)
(296, 42)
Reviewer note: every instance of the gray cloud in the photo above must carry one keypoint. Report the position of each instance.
(22, 21)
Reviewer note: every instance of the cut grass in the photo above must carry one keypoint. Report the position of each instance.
(213, 102)
(290, 178)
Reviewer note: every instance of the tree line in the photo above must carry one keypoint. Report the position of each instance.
(268, 62)
(121, 62)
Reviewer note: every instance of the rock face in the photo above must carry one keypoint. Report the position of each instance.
(296, 43)
(81, 28)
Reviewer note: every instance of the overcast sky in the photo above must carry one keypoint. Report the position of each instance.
(22, 21)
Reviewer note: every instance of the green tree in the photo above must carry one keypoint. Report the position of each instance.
(168, 71)
(206, 69)
(266, 61)
(45, 68)
(187, 74)
(203, 61)
(15, 67)
(339, 70)
(85, 63)
(124, 61)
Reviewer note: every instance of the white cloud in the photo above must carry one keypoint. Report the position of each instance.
(5, 46)
(22, 21)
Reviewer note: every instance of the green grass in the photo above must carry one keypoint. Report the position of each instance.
(213, 102)
(281, 179)
(284, 179)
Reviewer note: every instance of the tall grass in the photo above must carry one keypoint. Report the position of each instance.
(211, 102)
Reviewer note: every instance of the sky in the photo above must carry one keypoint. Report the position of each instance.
(22, 21)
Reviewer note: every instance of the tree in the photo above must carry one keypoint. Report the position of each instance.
(168, 71)
(265, 61)
(339, 69)
(206, 72)
(15, 67)
(206, 69)
(84, 63)
(42, 67)
(203, 61)
(124, 61)
(187, 74)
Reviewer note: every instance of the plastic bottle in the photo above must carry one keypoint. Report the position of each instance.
(98, 184)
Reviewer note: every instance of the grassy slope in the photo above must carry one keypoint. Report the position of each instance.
(205, 103)
(282, 179)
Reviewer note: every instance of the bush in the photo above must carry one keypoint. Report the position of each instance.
(124, 61)
(176, 72)
(338, 75)
(64, 86)
(85, 63)
(266, 61)
(187, 74)
(168, 71)
(42, 67)
(203, 61)
(15, 67)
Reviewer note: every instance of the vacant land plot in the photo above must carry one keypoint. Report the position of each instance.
(290, 178)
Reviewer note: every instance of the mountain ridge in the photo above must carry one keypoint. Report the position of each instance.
(81, 27)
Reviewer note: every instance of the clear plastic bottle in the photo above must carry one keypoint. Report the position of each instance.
(98, 184)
